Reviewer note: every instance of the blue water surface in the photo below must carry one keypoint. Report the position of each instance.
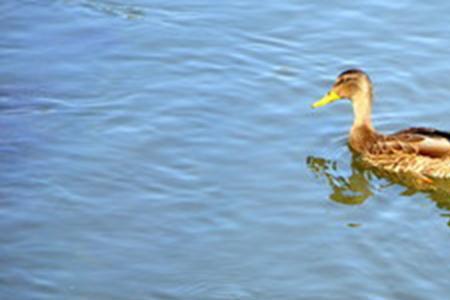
(167, 150)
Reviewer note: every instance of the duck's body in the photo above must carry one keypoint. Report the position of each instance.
(421, 151)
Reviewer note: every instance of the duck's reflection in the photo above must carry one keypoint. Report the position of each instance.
(354, 189)
(358, 186)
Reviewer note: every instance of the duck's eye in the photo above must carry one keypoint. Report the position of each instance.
(339, 82)
(342, 81)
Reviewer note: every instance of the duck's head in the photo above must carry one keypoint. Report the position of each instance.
(352, 84)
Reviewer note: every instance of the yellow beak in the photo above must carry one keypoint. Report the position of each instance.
(327, 99)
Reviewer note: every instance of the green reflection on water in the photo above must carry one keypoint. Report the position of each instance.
(357, 187)
(350, 190)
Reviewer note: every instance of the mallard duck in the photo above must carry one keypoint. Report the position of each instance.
(424, 152)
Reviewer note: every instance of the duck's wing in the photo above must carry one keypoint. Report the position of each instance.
(431, 132)
(417, 150)
(425, 141)
(396, 145)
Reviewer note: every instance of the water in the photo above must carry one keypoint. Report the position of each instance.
(167, 150)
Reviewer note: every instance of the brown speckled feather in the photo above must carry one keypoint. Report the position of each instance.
(416, 150)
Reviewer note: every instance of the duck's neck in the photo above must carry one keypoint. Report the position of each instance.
(362, 133)
(362, 110)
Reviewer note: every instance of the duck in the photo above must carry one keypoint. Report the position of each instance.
(420, 151)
